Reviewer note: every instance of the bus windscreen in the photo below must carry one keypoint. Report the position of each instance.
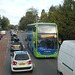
(47, 28)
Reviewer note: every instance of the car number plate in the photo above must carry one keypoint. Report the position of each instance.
(16, 47)
(22, 63)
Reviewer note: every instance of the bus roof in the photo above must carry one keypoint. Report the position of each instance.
(41, 23)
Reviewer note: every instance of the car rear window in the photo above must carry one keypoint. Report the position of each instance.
(14, 35)
(21, 57)
(16, 40)
(16, 43)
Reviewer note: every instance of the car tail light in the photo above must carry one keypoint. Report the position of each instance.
(14, 62)
(20, 45)
(12, 45)
(29, 62)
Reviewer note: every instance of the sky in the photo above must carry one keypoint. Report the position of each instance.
(14, 10)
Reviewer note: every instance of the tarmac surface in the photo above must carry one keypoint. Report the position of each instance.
(3, 51)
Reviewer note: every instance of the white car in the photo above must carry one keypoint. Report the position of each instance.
(21, 61)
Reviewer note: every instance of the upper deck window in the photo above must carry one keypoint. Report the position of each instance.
(47, 28)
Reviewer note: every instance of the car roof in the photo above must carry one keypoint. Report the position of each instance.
(21, 52)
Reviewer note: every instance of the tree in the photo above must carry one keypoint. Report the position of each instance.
(52, 8)
(43, 11)
(30, 17)
(11, 27)
(4, 22)
(34, 13)
(64, 17)
(52, 14)
(0, 22)
(22, 23)
(43, 17)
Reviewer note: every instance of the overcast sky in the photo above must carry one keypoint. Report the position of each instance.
(15, 9)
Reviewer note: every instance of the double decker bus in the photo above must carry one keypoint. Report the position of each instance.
(42, 39)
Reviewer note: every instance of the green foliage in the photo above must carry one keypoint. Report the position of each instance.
(4, 23)
(43, 17)
(11, 27)
(64, 17)
(30, 17)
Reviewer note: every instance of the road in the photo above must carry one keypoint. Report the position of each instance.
(44, 66)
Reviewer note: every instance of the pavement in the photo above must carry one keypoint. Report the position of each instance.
(3, 51)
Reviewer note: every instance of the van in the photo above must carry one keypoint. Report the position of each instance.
(3, 32)
(66, 58)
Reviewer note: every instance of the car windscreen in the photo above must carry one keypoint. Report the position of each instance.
(16, 43)
(21, 57)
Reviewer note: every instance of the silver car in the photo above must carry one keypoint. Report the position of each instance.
(21, 61)
(16, 46)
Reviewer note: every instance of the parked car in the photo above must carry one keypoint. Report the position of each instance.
(66, 58)
(3, 32)
(1, 35)
(21, 61)
(16, 46)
